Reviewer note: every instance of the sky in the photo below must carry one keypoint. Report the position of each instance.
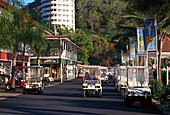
(28, 1)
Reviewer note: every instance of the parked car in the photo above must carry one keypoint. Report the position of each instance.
(19, 81)
(121, 83)
(137, 88)
(104, 75)
(34, 82)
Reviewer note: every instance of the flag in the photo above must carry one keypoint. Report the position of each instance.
(122, 57)
(149, 34)
(140, 40)
(132, 48)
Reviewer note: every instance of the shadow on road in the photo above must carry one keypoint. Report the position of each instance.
(66, 99)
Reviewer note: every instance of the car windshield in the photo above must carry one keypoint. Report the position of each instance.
(103, 70)
(123, 75)
(91, 81)
(138, 77)
(94, 72)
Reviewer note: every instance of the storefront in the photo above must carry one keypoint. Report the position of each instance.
(6, 60)
(63, 63)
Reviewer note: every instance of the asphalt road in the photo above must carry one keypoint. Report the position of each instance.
(66, 99)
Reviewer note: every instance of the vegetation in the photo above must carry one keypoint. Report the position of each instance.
(160, 92)
(103, 27)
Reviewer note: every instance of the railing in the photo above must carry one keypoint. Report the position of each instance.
(69, 55)
(46, 4)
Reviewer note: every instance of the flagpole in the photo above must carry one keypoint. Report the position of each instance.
(156, 48)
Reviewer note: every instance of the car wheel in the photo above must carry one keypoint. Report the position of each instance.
(84, 93)
(122, 92)
(8, 87)
(99, 93)
(128, 101)
(43, 91)
(39, 91)
(119, 93)
(24, 91)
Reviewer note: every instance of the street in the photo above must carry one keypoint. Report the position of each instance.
(66, 99)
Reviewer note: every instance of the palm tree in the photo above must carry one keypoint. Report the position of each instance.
(12, 31)
(39, 44)
(150, 9)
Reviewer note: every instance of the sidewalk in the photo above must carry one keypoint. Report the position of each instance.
(160, 107)
(7, 94)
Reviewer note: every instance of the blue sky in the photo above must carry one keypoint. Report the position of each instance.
(28, 1)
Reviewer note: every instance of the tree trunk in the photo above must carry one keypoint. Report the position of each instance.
(14, 57)
(159, 57)
(38, 60)
(23, 63)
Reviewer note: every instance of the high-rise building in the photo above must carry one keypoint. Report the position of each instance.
(59, 12)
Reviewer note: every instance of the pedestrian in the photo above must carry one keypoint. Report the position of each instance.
(86, 77)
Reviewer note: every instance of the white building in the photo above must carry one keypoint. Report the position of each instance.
(59, 12)
(62, 61)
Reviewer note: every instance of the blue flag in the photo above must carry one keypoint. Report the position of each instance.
(149, 34)
(132, 48)
(122, 57)
(140, 40)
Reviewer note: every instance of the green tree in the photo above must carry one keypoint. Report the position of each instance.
(151, 9)
(83, 40)
(39, 44)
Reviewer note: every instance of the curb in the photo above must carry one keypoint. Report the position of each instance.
(53, 84)
(160, 107)
(12, 96)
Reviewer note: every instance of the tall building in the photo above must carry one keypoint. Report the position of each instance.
(59, 12)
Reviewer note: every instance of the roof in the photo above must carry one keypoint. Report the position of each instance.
(63, 38)
(166, 44)
(3, 3)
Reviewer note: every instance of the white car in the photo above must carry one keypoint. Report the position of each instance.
(137, 88)
(34, 84)
(121, 83)
(34, 80)
(92, 87)
(92, 84)
(104, 74)
(104, 78)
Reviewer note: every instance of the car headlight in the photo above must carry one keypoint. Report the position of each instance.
(97, 86)
(85, 86)
(147, 93)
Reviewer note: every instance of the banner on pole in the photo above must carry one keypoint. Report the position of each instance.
(132, 48)
(140, 40)
(122, 57)
(149, 34)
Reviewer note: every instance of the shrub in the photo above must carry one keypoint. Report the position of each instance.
(163, 76)
(160, 92)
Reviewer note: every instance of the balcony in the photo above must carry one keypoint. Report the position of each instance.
(61, 23)
(69, 55)
(46, 4)
(48, 8)
(47, 14)
(44, 1)
(46, 19)
(61, 2)
(62, 17)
